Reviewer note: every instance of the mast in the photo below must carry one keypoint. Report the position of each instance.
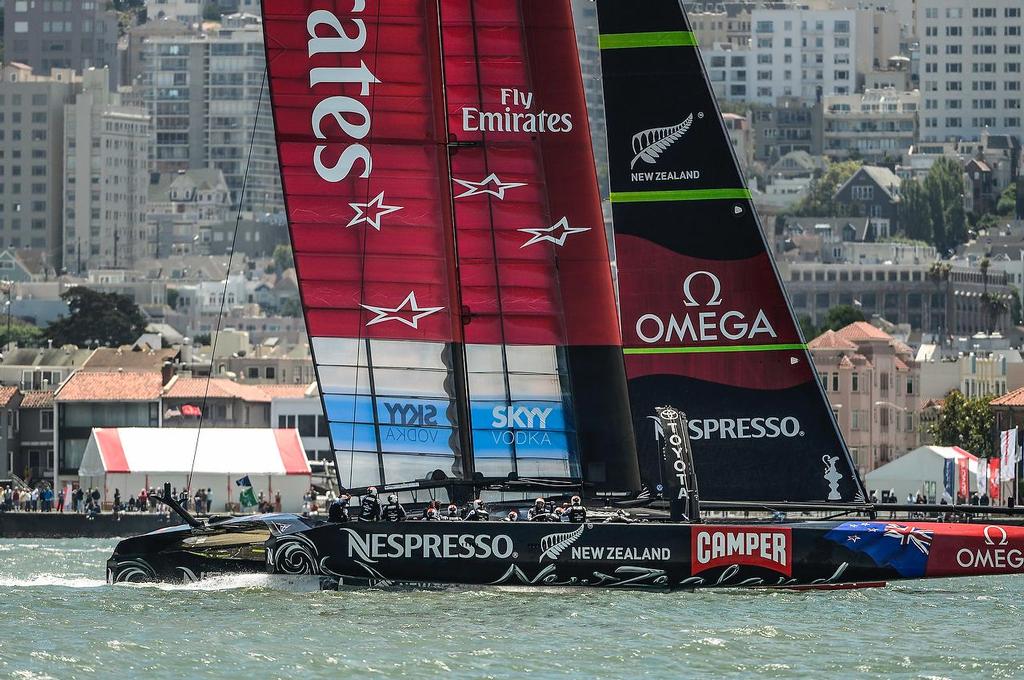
(706, 324)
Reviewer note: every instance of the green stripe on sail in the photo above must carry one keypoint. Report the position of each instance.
(615, 41)
(679, 195)
(715, 348)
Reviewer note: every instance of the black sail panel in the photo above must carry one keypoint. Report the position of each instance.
(706, 324)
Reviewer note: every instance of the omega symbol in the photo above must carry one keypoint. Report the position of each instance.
(716, 292)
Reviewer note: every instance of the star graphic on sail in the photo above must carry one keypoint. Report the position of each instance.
(409, 312)
(371, 212)
(556, 233)
(483, 187)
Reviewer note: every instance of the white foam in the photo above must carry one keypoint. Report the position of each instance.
(51, 580)
(296, 584)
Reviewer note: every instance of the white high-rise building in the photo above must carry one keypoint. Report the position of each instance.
(809, 53)
(972, 53)
(106, 152)
(204, 93)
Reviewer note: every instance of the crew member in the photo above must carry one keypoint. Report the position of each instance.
(431, 515)
(477, 513)
(338, 509)
(512, 516)
(453, 513)
(539, 511)
(370, 510)
(393, 511)
(576, 512)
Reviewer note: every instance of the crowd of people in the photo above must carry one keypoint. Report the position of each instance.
(371, 509)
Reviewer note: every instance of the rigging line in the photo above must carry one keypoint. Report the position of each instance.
(227, 279)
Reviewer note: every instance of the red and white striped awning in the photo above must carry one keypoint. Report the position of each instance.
(241, 451)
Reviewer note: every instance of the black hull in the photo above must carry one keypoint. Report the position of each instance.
(648, 555)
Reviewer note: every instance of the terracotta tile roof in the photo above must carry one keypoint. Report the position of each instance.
(222, 388)
(900, 366)
(845, 362)
(107, 358)
(37, 399)
(862, 330)
(901, 348)
(831, 340)
(1015, 398)
(7, 394)
(111, 386)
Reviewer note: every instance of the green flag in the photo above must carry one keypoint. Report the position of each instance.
(247, 498)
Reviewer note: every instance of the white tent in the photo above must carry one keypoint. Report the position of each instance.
(132, 458)
(921, 471)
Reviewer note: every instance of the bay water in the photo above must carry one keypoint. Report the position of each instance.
(59, 619)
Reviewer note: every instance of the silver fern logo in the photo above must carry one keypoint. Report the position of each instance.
(554, 545)
(648, 145)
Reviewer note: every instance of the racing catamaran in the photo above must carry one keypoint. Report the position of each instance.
(455, 275)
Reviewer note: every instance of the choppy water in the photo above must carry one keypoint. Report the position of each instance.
(59, 619)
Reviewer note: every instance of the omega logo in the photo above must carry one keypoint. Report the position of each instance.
(716, 293)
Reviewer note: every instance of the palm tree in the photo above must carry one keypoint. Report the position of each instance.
(938, 273)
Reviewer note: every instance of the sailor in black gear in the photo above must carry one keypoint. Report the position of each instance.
(512, 516)
(393, 511)
(370, 510)
(576, 512)
(453, 514)
(431, 515)
(337, 511)
(539, 512)
(477, 513)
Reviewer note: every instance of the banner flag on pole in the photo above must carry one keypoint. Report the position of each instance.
(982, 481)
(949, 479)
(1007, 455)
(993, 479)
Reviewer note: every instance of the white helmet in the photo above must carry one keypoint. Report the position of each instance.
(393, 498)
(478, 503)
(372, 491)
(576, 500)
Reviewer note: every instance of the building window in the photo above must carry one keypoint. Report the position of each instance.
(862, 192)
(270, 372)
(307, 426)
(46, 420)
(855, 382)
(835, 382)
(254, 372)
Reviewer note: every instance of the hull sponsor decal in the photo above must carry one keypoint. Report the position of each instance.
(745, 546)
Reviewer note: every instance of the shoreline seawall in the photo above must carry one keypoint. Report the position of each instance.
(73, 525)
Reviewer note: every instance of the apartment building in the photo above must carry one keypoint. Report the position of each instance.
(204, 94)
(971, 64)
(901, 293)
(727, 66)
(787, 125)
(720, 22)
(180, 205)
(106, 154)
(62, 34)
(873, 384)
(873, 125)
(32, 157)
(808, 54)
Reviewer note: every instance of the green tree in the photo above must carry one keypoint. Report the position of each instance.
(291, 307)
(283, 258)
(1015, 307)
(944, 187)
(22, 334)
(807, 327)
(104, 318)
(211, 12)
(1007, 203)
(840, 316)
(819, 195)
(172, 298)
(966, 423)
(915, 215)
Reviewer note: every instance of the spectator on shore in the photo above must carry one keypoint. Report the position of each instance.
(277, 501)
(209, 500)
(60, 500)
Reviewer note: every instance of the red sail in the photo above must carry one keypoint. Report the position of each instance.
(448, 236)
(354, 87)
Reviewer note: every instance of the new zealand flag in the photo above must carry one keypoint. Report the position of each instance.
(898, 546)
